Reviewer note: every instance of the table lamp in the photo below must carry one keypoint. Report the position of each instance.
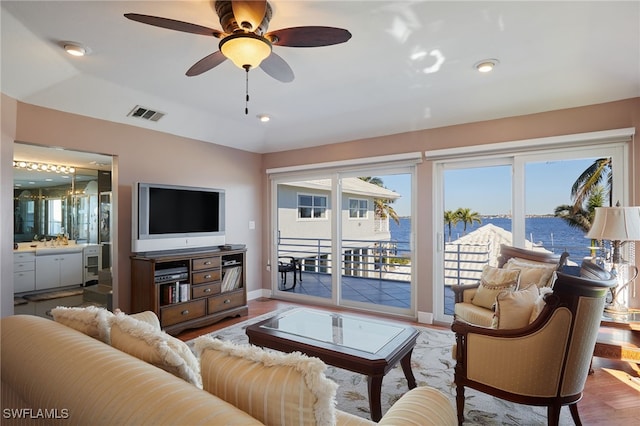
(618, 225)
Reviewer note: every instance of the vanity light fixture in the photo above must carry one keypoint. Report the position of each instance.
(74, 49)
(43, 167)
(486, 65)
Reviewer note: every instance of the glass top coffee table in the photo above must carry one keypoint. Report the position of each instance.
(367, 346)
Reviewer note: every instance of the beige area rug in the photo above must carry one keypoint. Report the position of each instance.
(432, 365)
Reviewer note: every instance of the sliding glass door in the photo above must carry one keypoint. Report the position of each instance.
(523, 199)
(345, 238)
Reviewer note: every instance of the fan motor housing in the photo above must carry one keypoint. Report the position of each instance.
(228, 21)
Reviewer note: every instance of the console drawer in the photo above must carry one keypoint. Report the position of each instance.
(205, 290)
(175, 314)
(226, 301)
(206, 263)
(205, 276)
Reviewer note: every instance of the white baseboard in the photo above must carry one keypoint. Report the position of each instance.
(425, 317)
(257, 294)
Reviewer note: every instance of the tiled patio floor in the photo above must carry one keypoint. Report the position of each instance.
(378, 291)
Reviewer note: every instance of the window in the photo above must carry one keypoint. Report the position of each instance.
(358, 208)
(312, 206)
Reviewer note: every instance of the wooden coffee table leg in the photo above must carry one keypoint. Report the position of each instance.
(405, 362)
(374, 385)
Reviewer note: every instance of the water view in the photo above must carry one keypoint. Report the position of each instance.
(552, 233)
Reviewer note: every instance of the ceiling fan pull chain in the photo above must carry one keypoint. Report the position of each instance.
(246, 102)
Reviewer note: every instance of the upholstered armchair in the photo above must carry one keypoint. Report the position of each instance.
(544, 363)
(534, 266)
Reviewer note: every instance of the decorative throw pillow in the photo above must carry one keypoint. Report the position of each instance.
(91, 320)
(540, 303)
(142, 340)
(538, 273)
(493, 281)
(513, 308)
(273, 387)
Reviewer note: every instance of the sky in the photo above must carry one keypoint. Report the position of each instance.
(488, 190)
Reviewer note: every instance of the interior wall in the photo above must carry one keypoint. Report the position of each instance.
(8, 132)
(607, 116)
(145, 155)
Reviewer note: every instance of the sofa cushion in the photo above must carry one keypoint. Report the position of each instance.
(493, 281)
(275, 388)
(91, 320)
(538, 273)
(144, 341)
(513, 308)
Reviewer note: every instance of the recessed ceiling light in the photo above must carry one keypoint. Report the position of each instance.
(486, 65)
(74, 49)
(263, 117)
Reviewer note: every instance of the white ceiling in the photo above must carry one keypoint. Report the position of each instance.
(387, 79)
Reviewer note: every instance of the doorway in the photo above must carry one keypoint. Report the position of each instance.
(346, 238)
(63, 199)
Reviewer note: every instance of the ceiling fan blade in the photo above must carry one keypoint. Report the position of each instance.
(277, 68)
(206, 63)
(308, 36)
(249, 14)
(172, 24)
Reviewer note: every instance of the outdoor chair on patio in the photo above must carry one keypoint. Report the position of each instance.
(544, 363)
(289, 264)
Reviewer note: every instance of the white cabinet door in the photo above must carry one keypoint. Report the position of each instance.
(23, 281)
(47, 272)
(70, 269)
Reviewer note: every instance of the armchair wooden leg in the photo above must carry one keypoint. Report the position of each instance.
(553, 414)
(574, 414)
(460, 403)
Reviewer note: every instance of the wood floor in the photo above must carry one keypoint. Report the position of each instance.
(611, 395)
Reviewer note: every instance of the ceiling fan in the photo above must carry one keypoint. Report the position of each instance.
(245, 39)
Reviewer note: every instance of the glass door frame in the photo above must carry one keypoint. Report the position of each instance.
(407, 164)
(618, 151)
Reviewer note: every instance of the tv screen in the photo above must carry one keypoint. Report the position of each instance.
(171, 217)
(180, 211)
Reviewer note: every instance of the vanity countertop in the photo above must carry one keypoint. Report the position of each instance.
(41, 249)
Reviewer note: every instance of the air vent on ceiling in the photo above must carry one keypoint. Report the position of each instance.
(145, 113)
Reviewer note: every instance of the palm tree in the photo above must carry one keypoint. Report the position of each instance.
(381, 207)
(450, 219)
(581, 217)
(467, 217)
(589, 181)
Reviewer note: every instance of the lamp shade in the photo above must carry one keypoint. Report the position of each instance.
(616, 224)
(245, 49)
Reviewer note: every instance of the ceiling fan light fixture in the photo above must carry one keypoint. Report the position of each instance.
(486, 65)
(245, 49)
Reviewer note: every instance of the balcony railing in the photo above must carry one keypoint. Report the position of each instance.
(391, 260)
(386, 260)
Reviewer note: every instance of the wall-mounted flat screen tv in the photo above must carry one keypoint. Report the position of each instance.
(172, 217)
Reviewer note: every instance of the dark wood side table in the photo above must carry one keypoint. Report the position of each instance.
(619, 337)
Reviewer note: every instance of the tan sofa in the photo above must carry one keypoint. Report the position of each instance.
(534, 266)
(53, 374)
